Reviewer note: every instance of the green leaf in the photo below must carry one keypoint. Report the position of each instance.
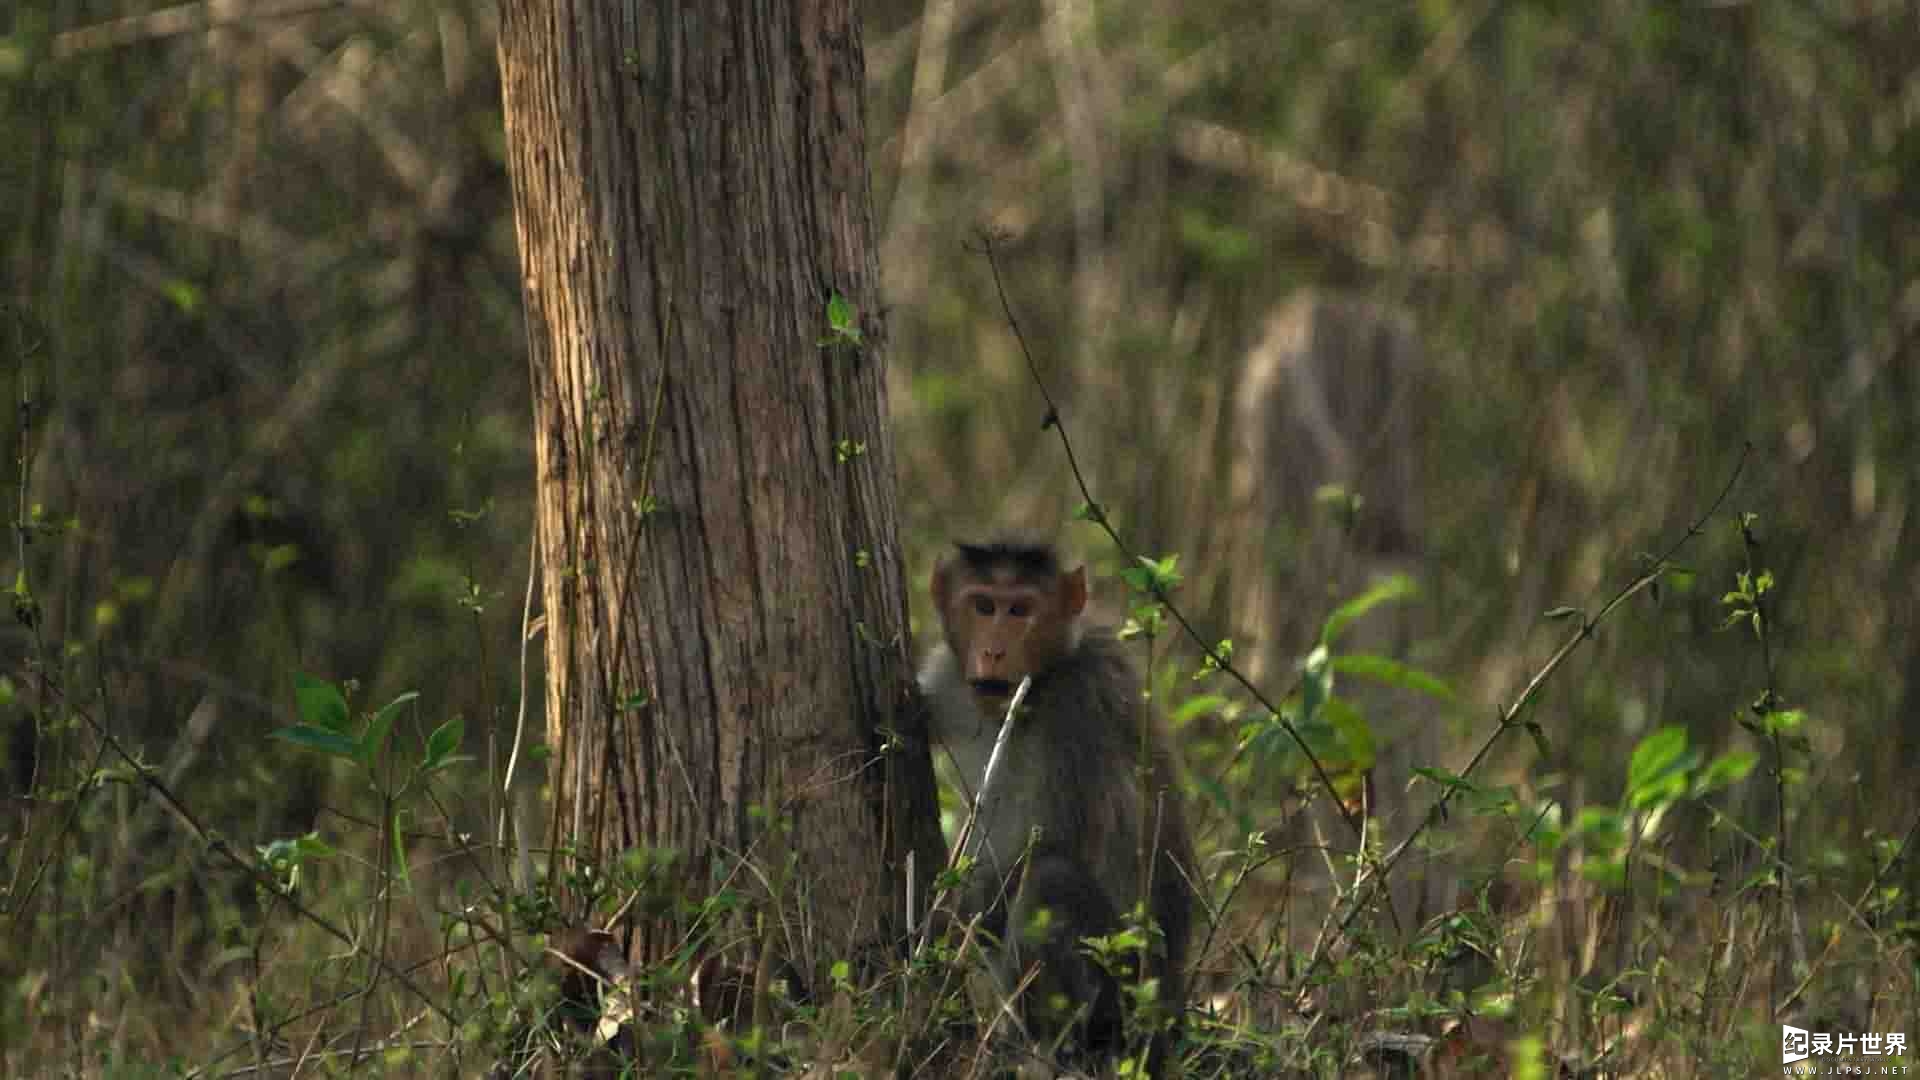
(326, 740)
(1725, 771)
(1335, 497)
(277, 852)
(1353, 731)
(13, 57)
(1118, 943)
(311, 846)
(183, 294)
(1196, 706)
(1388, 589)
(1601, 828)
(1216, 794)
(275, 558)
(443, 742)
(378, 728)
(1154, 577)
(1656, 773)
(284, 854)
(1784, 721)
(1214, 661)
(1090, 512)
(839, 312)
(843, 323)
(1393, 673)
(1444, 778)
(1608, 873)
(1655, 755)
(1264, 736)
(321, 704)
(118, 774)
(400, 870)
(1316, 683)
(1562, 613)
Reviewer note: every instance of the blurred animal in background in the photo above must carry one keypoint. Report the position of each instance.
(1326, 491)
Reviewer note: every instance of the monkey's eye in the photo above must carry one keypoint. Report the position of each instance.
(983, 604)
(1020, 609)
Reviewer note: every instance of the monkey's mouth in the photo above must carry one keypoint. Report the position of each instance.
(993, 688)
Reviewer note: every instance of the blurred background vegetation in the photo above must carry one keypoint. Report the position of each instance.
(262, 323)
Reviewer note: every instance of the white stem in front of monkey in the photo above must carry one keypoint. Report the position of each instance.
(964, 839)
(993, 764)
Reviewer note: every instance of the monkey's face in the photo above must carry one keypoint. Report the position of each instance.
(1004, 624)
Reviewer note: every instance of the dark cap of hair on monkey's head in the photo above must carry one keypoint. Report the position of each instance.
(1030, 553)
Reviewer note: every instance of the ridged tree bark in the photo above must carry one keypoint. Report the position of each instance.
(726, 616)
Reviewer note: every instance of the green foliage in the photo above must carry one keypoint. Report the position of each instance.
(325, 719)
(1386, 672)
(325, 740)
(285, 859)
(843, 325)
(1630, 238)
(1663, 772)
(321, 704)
(442, 743)
(1214, 661)
(1153, 578)
(1394, 588)
(1743, 603)
(1227, 247)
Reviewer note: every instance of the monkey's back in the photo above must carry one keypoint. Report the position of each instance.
(1103, 744)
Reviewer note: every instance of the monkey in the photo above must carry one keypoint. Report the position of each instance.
(1072, 810)
(591, 1036)
(583, 959)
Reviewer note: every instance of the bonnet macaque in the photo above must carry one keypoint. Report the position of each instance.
(1083, 821)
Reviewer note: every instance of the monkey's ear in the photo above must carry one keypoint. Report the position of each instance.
(1073, 591)
(939, 588)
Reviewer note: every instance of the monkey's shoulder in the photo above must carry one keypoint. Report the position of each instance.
(1097, 676)
(1101, 649)
(939, 671)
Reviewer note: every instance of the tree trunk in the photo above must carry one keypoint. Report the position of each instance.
(726, 637)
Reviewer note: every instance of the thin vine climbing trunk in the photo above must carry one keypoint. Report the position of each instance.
(726, 616)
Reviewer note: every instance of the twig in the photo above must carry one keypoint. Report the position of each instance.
(1099, 517)
(219, 846)
(1510, 716)
(511, 809)
(964, 839)
(993, 767)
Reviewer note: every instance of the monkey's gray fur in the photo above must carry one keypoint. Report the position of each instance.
(1071, 769)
